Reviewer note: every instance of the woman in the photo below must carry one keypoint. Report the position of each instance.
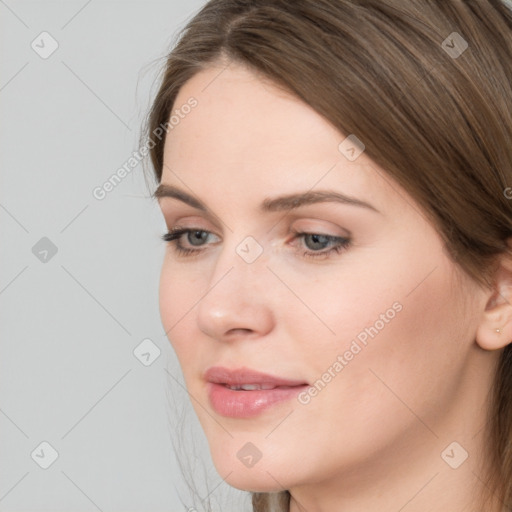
(336, 179)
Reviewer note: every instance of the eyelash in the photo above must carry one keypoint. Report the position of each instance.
(173, 236)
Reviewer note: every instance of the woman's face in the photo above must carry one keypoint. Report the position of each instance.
(366, 308)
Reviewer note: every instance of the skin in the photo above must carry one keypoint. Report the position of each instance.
(372, 438)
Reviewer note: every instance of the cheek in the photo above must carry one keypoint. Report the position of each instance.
(397, 342)
(177, 296)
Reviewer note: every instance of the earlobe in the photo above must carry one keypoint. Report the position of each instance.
(495, 329)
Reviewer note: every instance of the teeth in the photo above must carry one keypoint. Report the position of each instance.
(251, 387)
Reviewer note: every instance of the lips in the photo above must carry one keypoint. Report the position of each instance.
(248, 379)
(253, 387)
(243, 393)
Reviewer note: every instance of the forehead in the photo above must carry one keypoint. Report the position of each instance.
(245, 134)
(237, 111)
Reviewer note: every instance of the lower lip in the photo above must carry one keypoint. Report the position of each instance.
(247, 404)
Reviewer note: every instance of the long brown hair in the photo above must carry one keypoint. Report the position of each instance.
(434, 113)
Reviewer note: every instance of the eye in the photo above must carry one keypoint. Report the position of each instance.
(317, 241)
(197, 237)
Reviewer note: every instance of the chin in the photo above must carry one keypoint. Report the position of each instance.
(240, 472)
(251, 481)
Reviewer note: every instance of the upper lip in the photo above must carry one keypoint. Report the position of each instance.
(239, 376)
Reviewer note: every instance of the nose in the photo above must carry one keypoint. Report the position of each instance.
(237, 301)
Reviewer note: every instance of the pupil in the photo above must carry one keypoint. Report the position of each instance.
(200, 236)
(317, 239)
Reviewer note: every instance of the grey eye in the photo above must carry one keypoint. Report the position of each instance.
(318, 241)
(197, 236)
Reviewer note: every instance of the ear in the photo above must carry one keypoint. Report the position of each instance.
(495, 329)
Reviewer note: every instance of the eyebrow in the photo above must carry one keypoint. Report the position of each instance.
(282, 203)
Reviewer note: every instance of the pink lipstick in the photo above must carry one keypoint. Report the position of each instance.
(245, 393)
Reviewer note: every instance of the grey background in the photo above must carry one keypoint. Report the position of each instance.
(69, 324)
(70, 321)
